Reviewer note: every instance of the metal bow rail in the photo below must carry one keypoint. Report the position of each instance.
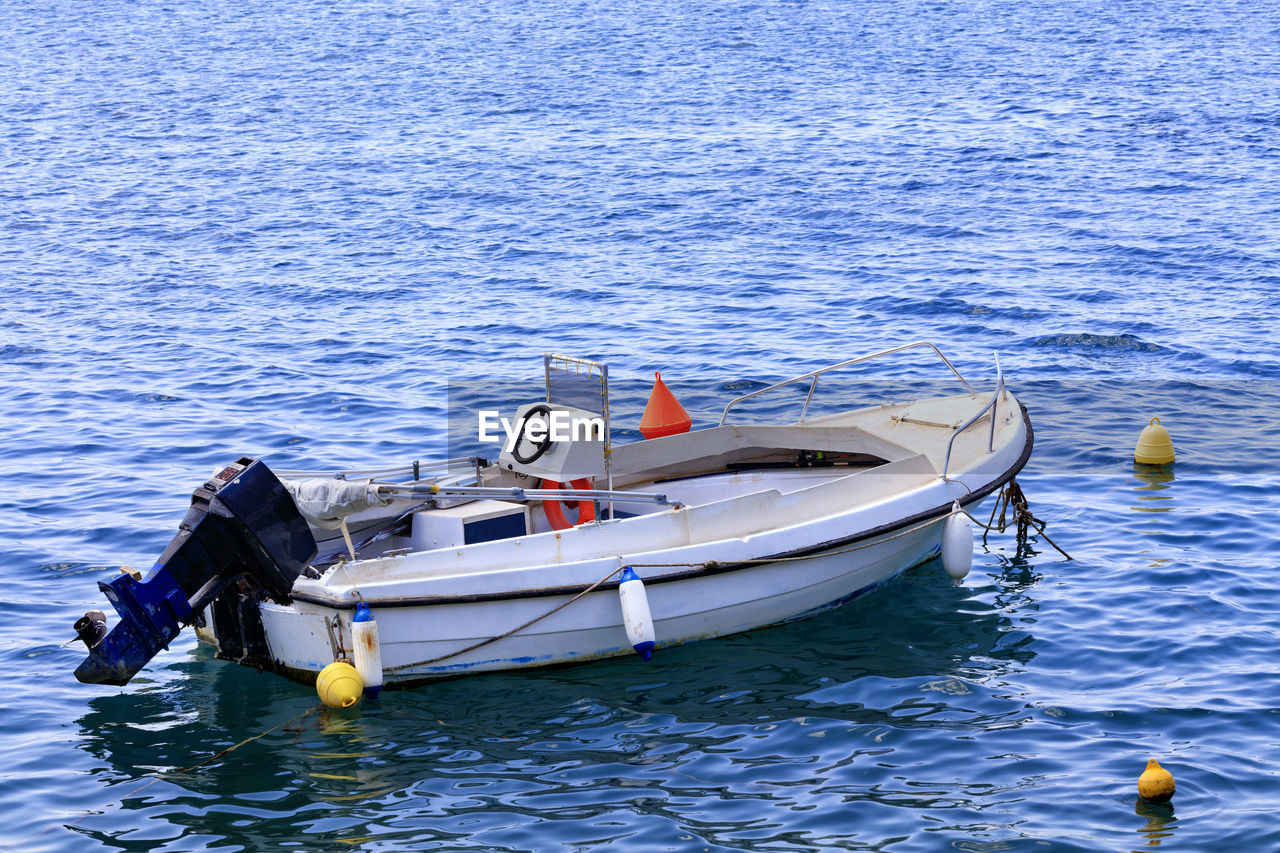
(814, 375)
(989, 407)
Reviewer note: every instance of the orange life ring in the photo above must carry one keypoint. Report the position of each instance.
(555, 514)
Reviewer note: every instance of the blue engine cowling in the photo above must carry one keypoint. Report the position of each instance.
(242, 527)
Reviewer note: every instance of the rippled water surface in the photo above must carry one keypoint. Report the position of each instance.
(285, 229)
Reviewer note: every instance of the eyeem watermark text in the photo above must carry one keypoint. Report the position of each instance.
(559, 426)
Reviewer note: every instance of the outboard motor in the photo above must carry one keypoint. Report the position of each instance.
(242, 527)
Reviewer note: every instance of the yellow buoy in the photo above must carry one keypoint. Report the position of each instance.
(1155, 785)
(339, 685)
(1155, 447)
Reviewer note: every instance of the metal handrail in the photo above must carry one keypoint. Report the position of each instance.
(990, 406)
(813, 376)
(519, 494)
(412, 470)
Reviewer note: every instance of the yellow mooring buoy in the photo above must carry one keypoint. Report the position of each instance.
(1155, 785)
(339, 685)
(1155, 447)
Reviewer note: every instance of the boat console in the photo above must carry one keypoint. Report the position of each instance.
(556, 442)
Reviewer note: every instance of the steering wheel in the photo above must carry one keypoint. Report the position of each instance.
(539, 447)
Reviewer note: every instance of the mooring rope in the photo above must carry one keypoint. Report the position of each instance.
(1012, 497)
(515, 630)
(481, 644)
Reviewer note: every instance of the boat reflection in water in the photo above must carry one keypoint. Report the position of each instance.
(782, 715)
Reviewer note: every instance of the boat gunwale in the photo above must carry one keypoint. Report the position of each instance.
(706, 569)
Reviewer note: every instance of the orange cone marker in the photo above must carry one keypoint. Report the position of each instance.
(663, 415)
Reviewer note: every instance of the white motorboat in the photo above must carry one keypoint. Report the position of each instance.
(687, 536)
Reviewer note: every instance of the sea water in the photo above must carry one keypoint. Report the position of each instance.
(287, 229)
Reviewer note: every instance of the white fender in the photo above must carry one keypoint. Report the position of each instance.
(957, 544)
(635, 613)
(367, 654)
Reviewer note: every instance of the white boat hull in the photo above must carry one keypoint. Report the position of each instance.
(591, 627)
(754, 559)
(729, 529)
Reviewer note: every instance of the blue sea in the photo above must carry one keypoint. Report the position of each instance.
(287, 229)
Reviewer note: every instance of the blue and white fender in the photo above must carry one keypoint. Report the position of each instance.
(367, 653)
(635, 613)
